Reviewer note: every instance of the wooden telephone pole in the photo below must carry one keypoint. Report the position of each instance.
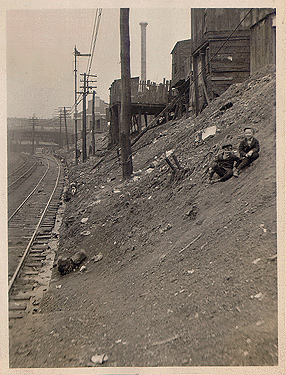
(93, 124)
(125, 114)
(86, 87)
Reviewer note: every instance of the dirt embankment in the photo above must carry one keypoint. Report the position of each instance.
(188, 276)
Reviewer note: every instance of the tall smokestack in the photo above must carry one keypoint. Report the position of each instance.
(143, 50)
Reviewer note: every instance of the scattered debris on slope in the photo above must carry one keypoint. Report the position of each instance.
(187, 273)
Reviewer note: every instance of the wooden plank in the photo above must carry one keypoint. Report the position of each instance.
(226, 69)
(17, 306)
(15, 315)
(20, 297)
(221, 78)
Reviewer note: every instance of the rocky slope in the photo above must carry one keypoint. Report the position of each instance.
(188, 275)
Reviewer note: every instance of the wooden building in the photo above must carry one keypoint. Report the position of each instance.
(147, 99)
(181, 63)
(228, 44)
(262, 38)
(218, 65)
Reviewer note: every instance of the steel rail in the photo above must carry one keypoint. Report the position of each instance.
(22, 175)
(32, 192)
(12, 280)
(17, 170)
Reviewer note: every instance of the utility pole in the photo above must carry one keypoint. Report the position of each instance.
(125, 114)
(86, 89)
(67, 140)
(76, 53)
(84, 156)
(33, 134)
(63, 113)
(60, 128)
(93, 124)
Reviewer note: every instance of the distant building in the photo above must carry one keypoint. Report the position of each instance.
(100, 108)
(181, 63)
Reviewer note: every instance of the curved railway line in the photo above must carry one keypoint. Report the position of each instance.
(21, 173)
(32, 216)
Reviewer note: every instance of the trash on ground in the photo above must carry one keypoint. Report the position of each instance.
(149, 170)
(97, 258)
(85, 233)
(165, 341)
(82, 269)
(262, 227)
(99, 358)
(162, 230)
(84, 220)
(211, 130)
(256, 260)
(135, 178)
(259, 295)
(94, 203)
(273, 257)
(168, 153)
(67, 265)
(190, 243)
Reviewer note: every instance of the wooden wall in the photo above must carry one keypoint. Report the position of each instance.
(180, 53)
(263, 42)
(220, 66)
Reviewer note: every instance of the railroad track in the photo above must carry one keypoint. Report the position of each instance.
(23, 172)
(14, 159)
(32, 236)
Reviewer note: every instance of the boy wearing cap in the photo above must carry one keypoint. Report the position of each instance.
(223, 164)
(248, 150)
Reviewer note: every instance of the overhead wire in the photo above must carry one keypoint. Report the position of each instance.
(91, 51)
(94, 38)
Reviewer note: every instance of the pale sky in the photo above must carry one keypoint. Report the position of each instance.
(40, 44)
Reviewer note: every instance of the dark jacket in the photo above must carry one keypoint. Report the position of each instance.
(244, 147)
(228, 162)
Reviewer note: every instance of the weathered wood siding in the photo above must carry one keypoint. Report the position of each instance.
(263, 42)
(180, 53)
(220, 66)
(205, 21)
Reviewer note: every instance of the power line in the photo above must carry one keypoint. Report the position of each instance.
(94, 37)
(91, 51)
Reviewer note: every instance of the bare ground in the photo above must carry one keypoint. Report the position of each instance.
(171, 289)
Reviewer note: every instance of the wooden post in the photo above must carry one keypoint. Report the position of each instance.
(93, 124)
(196, 84)
(125, 114)
(67, 140)
(139, 121)
(33, 135)
(60, 128)
(84, 156)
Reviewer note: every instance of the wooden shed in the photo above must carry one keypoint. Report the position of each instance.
(181, 62)
(221, 56)
(262, 38)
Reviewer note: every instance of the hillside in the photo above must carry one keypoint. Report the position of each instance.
(188, 275)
